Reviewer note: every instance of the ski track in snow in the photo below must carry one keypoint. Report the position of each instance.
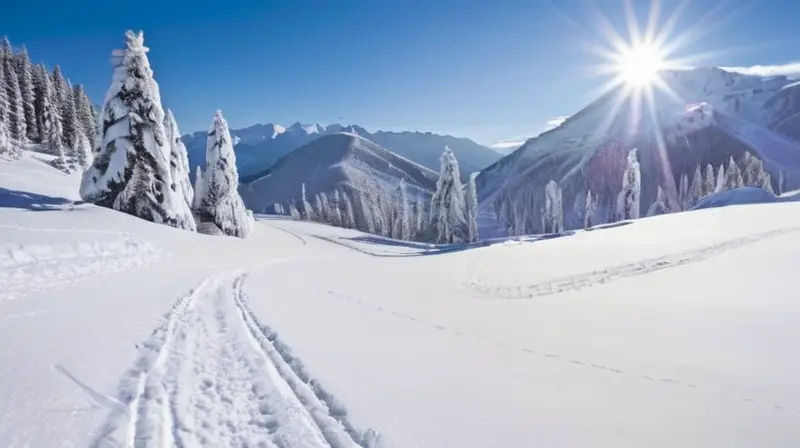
(599, 277)
(561, 358)
(27, 268)
(287, 231)
(211, 375)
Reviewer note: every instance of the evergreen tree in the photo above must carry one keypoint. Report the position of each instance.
(348, 214)
(336, 208)
(401, 229)
(420, 229)
(42, 93)
(683, 192)
(79, 157)
(25, 78)
(130, 172)
(660, 206)
(447, 203)
(696, 187)
(708, 181)
(198, 188)
(631, 187)
(733, 178)
(588, 212)
(294, 213)
(319, 209)
(3, 89)
(50, 127)
(720, 184)
(84, 112)
(306, 210)
(7, 150)
(553, 208)
(15, 117)
(62, 97)
(220, 202)
(178, 160)
(471, 198)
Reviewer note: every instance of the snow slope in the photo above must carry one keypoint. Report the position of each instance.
(332, 162)
(678, 330)
(712, 116)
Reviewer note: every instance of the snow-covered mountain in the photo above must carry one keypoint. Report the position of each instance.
(713, 115)
(259, 146)
(334, 161)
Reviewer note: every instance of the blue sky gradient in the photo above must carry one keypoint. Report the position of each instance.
(486, 70)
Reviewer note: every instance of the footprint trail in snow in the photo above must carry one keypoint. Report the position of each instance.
(210, 376)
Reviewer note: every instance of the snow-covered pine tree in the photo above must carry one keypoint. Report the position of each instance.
(319, 209)
(42, 92)
(178, 160)
(198, 188)
(62, 97)
(554, 210)
(447, 203)
(348, 214)
(6, 148)
(696, 187)
(336, 208)
(765, 182)
(631, 187)
(659, 207)
(720, 183)
(749, 169)
(305, 207)
(220, 202)
(471, 199)
(25, 78)
(3, 92)
(708, 181)
(588, 211)
(130, 172)
(294, 213)
(733, 178)
(419, 228)
(50, 127)
(79, 157)
(683, 192)
(16, 112)
(401, 229)
(84, 111)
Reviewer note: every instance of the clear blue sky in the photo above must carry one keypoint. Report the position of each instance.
(488, 70)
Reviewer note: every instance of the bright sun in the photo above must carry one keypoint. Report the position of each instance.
(639, 65)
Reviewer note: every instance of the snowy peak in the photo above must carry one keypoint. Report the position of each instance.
(708, 117)
(259, 146)
(336, 161)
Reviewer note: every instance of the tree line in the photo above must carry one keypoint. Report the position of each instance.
(43, 109)
(447, 216)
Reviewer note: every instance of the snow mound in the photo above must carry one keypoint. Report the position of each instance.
(738, 196)
(25, 268)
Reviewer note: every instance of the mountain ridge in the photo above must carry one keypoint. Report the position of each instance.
(261, 145)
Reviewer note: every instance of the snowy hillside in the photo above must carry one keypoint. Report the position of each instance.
(678, 330)
(332, 162)
(714, 115)
(260, 146)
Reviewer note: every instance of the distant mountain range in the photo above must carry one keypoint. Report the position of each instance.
(340, 161)
(711, 115)
(259, 146)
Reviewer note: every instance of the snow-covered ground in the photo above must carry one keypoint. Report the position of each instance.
(679, 330)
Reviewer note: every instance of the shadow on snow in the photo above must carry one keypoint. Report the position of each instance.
(31, 201)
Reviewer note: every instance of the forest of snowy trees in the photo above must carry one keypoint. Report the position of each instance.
(42, 110)
(515, 213)
(448, 216)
